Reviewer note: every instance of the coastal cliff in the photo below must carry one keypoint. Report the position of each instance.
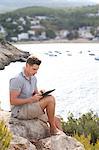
(9, 53)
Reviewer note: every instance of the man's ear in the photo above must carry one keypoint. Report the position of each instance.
(27, 65)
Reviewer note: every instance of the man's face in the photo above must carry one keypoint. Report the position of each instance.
(32, 70)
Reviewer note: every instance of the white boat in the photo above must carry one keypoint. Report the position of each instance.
(97, 58)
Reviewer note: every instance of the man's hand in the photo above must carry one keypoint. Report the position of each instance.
(41, 91)
(35, 98)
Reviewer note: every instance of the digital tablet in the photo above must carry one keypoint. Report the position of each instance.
(47, 92)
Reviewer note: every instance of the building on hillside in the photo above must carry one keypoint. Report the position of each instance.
(84, 32)
(42, 36)
(35, 22)
(2, 30)
(20, 28)
(36, 27)
(41, 17)
(23, 36)
(9, 19)
(14, 39)
(63, 33)
(21, 19)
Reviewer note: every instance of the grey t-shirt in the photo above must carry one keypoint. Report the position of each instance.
(25, 86)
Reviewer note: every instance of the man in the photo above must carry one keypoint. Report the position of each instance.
(27, 102)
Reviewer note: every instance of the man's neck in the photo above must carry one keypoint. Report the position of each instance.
(26, 74)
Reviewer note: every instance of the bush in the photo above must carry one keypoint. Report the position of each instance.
(86, 142)
(87, 124)
(5, 136)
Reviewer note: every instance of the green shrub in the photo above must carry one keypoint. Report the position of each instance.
(86, 142)
(5, 136)
(87, 124)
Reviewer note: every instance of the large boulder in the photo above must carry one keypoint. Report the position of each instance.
(20, 143)
(9, 53)
(60, 142)
(29, 129)
(37, 132)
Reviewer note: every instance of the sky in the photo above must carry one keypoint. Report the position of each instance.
(96, 1)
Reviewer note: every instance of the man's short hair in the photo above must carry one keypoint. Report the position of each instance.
(31, 60)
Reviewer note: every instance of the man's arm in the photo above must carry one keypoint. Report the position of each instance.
(14, 100)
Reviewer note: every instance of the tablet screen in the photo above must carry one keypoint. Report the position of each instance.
(47, 92)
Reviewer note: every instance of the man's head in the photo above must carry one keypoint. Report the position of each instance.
(31, 60)
(32, 65)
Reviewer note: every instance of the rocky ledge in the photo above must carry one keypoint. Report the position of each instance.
(9, 53)
(34, 135)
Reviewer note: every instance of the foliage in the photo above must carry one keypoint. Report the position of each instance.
(50, 33)
(2, 37)
(72, 35)
(86, 142)
(87, 124)
(5, 136)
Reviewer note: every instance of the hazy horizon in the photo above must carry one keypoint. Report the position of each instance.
(7, 5)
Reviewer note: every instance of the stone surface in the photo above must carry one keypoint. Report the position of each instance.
(20, 143)
(9, 53)
(30, 129)
(59, 142)
(37, 132)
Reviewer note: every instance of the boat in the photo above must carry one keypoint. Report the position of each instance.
(97, 58)
(91, 54)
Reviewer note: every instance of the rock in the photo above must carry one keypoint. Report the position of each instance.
(30, 129)
(60, 142)
(37, 132)
(9, 53)
(20, 143)
(65, 142)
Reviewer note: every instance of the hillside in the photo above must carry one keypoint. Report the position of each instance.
(63, 16)
(9, 5)
(50, 20)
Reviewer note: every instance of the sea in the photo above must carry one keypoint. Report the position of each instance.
(69, 68)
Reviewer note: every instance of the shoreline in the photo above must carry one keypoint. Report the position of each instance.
(57, 41)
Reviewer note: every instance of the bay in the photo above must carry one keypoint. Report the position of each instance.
(70, 68)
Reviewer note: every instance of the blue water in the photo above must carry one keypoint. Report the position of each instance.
(69, 68)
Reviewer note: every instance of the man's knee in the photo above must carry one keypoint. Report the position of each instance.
(47, 101)
(51, 99)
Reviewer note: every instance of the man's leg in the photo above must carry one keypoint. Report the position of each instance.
(48, 103)
(58, 123)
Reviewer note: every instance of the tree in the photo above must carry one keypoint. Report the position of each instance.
(72, 35)
(50, 34)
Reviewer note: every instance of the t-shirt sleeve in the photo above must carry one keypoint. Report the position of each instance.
(15, 84)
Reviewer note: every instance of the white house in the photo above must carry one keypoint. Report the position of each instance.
(63, 33)
(23, 36)
(41, 17)
(14, 39)
(8, 19)
(84, 32)
(21, 19)
(35, 22)
(42, 36)
(2, 29)
(37, 27)
(31, 32)
(20, 28)
(14, 22)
